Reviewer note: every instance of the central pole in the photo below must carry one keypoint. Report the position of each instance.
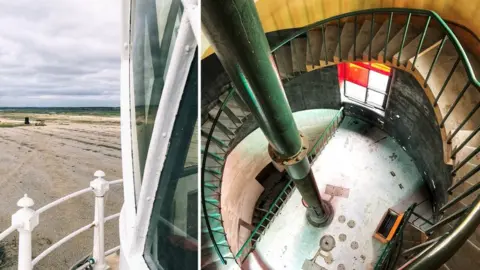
(235, 31)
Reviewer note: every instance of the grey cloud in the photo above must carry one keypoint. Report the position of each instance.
(59, 53)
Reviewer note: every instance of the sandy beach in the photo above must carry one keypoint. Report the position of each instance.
(49, 162)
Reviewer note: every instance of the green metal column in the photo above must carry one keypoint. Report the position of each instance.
(235, 31)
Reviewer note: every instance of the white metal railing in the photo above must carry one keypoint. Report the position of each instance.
(26, 219)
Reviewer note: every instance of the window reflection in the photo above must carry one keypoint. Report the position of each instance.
(153, 37)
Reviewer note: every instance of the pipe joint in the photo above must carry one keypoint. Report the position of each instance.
(290, 161)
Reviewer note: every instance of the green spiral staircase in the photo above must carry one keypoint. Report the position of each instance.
(417, 41)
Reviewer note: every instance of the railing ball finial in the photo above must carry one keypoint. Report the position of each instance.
(25, 217)
(25, 202)
(99, 185)
(99, 174)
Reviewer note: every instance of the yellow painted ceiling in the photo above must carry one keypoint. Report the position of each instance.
(284, 14)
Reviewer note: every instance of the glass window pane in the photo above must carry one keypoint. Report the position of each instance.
(341, 72)
(172, 234)
(356, 74)
(381, 68)
(375, 98)
(378, 81)
(355, 91)
(172, 238)
(153, 36)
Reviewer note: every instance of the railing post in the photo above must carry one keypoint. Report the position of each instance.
(99, 186)
(25, 219)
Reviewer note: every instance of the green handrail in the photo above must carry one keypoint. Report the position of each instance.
(203, 184)
(451, 36)
(270, 211)
(338, 115)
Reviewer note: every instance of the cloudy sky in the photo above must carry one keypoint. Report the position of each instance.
(59, 53)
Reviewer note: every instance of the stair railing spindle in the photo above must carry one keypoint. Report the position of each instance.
(355, 38)
(464, 178)
(310, 50)
(460, 95)
(465, 160)
(339, 41)
(449, 219)
(371, 38)
(470, 114)
(388, 36)
(446, 81)
(420, 44)
(437, 54)
(467, 192)
(403, 39)
(457, 149)
(324, 43)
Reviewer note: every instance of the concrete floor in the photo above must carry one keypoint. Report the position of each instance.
(240, 189)
(378, 174)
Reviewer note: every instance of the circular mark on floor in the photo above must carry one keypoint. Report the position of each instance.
(354, 245)
(342, 237)
(341, 219)
(327, 243)
(341, 267)
(328, 260)
(351, 223)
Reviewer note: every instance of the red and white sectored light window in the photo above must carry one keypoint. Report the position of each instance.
(365, 82)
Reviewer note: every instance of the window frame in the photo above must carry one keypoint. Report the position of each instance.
(135, 217)
(367, 89)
